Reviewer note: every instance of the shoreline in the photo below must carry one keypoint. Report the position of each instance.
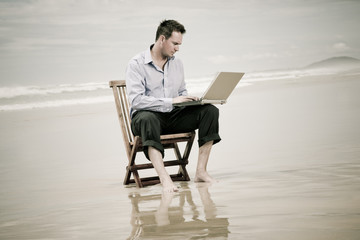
(68, 95)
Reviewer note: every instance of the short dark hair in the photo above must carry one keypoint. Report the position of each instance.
(167, 27)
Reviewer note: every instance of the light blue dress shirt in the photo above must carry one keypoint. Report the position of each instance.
(151, 88)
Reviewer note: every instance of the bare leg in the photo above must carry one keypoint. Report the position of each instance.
(209, 205)
(157, 161)
(201, 173)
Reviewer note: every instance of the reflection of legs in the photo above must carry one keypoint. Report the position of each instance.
(209, 205)
(162, 214)
(201, 173)
(157, 161)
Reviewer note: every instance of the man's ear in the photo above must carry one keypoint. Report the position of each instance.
(162, 38)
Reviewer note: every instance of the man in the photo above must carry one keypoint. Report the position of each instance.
(155, 80)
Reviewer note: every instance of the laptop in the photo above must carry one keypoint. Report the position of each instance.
(218, 91)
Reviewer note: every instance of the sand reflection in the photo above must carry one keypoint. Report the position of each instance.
(189, 214)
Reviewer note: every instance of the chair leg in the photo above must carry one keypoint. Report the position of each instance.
(132, 168)
(185, 158)
(129, 170)
(188, 147)
(182, 168)
(137, 179)
(127, 176)
(183, 173)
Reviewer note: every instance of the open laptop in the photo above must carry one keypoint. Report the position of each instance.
(218, 91)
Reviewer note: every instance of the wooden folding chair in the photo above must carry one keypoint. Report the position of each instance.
(133, 144)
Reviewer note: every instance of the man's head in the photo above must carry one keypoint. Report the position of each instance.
(169, 37)
(167, 27)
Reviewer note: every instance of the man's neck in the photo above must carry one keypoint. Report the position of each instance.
(158, 58)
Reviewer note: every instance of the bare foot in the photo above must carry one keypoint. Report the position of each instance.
(169, 187)
(204, 177)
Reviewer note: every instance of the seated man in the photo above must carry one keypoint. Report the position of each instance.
(155, 80)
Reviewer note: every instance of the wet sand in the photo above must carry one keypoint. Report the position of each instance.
(288, 168)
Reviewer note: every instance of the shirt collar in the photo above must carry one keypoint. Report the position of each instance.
(148, 58)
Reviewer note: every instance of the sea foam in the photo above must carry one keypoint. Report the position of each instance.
(32, 97)
(55, 103)
(17, 91)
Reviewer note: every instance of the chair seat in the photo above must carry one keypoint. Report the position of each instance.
(172, 138)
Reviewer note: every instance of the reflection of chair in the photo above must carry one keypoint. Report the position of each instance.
(133, 143)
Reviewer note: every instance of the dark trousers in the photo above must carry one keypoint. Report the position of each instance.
(150, 125)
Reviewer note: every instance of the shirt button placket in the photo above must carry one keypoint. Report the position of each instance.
(166, 90)
(166, 85)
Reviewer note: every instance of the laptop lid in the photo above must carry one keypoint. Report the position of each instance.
(222, 86)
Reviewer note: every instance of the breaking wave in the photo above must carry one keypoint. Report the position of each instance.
(32, 97)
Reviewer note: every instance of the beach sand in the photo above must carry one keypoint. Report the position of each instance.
(288, 168)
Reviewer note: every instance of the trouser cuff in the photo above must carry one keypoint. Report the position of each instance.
(151, 143)
(213, 137)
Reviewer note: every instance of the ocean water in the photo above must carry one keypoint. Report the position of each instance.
(14, 98)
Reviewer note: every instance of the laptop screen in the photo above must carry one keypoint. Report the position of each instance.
(222, 86)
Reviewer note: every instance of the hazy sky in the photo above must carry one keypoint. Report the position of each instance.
(73, 41)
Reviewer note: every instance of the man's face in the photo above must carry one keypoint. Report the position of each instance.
(171, 45)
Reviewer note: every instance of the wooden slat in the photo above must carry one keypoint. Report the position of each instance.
(127, 113)
(120, 116)
(146, 181)
(124, 110)
(177, 135)
(149, 165)
(117, 83)
(172, 138)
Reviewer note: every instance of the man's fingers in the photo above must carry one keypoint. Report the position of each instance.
(192, 98)
(185, 99)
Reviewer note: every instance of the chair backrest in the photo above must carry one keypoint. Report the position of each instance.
(122, 107)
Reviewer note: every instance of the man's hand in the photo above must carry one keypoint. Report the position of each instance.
(181, 99)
